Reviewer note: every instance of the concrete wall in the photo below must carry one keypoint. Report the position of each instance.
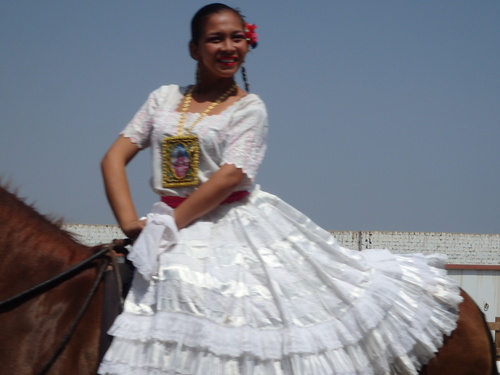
(94, 234)
(461, 248)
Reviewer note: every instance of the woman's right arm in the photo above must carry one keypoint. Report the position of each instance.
(117, 187)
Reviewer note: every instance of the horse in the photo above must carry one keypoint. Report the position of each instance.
(469, 349)
(33, 249)
(53, 324)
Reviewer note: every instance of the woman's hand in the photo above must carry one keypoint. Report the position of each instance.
(133, 228)
(209, 195)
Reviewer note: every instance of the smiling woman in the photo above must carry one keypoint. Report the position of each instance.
(221, 48)
(231, 280)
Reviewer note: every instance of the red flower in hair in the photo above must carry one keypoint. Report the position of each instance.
(251, 35)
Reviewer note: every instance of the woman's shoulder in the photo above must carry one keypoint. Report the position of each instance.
(167, 90)
(165, 95)
(251, 102)
(249, 111)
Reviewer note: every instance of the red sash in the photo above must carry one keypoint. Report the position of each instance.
(176, 201)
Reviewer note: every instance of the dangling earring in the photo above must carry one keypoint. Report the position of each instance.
(245, 80)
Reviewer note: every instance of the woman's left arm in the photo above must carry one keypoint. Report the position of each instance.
(209, 195)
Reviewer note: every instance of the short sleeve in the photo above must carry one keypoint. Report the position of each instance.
(246, 139)
(141, 125)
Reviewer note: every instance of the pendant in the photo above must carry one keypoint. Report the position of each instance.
(180, 160)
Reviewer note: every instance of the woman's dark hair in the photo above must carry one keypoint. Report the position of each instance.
(199, 19)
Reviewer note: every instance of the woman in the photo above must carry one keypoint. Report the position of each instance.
(232, 280)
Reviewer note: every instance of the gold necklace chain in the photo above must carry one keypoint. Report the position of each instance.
(187, 102)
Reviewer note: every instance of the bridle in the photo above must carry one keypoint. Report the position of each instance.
(107, 253)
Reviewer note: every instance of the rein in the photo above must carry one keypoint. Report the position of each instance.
(24, 296)
(73, 325)
(18, 299)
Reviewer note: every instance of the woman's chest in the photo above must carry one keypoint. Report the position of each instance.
(211, 130)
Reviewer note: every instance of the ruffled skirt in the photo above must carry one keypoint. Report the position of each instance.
(256, 288)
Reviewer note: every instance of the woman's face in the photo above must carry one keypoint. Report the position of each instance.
(222, 47)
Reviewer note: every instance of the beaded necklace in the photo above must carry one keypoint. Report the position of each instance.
(187, 103)
(181, 153)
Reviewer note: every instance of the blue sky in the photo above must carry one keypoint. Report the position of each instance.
(384, 115)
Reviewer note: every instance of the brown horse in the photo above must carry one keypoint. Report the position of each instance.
(33, 249)
(469, 350)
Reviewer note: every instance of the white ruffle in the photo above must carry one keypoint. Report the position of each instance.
(257, 288)
(158, 235)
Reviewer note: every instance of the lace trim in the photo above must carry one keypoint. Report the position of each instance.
(383, 348)
(185, 361)
(412, 321)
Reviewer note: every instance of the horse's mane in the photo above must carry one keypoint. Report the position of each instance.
(17, 215)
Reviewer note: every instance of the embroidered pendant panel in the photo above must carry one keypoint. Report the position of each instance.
(180, 161)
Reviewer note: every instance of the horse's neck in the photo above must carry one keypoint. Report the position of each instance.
(31, 246)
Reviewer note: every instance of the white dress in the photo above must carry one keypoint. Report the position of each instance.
(256, 288)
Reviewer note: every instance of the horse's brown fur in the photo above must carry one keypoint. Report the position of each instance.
(469, 349)
(32, 250)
